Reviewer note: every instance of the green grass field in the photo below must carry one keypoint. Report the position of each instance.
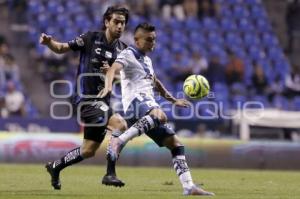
(25, 181)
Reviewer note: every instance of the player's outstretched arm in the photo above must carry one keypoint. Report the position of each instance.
(110, 74)
(55, 46)
(167, 95)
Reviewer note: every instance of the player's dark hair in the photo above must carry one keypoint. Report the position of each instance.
(115, 9)
(145, 26)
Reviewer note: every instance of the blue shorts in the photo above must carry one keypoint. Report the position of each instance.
(141, 107)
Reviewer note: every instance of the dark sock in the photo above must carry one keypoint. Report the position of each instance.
(177, 151)
(111, 166)
(72, 157)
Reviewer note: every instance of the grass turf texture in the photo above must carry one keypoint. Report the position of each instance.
(26, 181)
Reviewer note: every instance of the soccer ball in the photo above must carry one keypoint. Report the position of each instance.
(196, 86)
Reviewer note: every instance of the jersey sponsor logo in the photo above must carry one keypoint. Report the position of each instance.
(98, 42)
(98, 51)
(79, 41)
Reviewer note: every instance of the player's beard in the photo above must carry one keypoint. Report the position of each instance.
(117, 34)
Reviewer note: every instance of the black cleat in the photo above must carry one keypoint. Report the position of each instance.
(112, 180)
(55, 182)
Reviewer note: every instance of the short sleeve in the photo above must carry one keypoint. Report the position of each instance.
(79, 43)
(124, 58)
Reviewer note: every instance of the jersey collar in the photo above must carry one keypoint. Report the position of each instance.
(137, 53)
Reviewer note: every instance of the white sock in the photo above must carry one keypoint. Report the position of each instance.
(143, 125)
(183, 171)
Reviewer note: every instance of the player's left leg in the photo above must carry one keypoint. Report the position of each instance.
(93, 137)
(181, 167)
(116, 125)
(164, 136)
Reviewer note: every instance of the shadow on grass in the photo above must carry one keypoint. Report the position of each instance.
(43, 193)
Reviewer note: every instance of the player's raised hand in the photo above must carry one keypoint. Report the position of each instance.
(182, 103)
(45, 39)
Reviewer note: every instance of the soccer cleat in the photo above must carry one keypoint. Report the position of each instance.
(112, 180)
(194, 190)
(114, 148)
(55, 182)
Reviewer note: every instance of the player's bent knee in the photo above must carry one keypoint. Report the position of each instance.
(123, 125)
(160, 115)
(172, 142)
(117, 123)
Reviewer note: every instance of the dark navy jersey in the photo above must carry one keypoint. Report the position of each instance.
(94, 49)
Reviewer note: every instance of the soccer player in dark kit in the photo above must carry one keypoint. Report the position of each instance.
(98, 50)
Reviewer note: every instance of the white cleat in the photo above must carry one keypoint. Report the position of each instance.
(194, 190)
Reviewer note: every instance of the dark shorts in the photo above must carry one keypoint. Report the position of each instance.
(94, 116)
(140, 108)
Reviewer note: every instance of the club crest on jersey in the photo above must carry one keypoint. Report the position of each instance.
(79, 41)
(108, 55)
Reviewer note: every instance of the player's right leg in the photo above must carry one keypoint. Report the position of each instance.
(88, 149)
(153, 119)
(93, 137)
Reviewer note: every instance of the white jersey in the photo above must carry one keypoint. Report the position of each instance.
(136, 76)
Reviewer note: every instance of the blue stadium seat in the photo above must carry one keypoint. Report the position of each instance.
(259, 101)
(162, 38)
(234, 2)
(215, 38)
(175, 24)
(35, 7)
(251, 39)
(248, 73)
(43, 21)
(227, 25)
(238, 101)
(240, 12)
(180, 38)
(192, 24)
(233, 39)
(256, 53)
(238, 88)
(275, 53)
(280, 102)
(296, 103)
(245, 25)
(253, 2)
(226, 11)
(53, 7)
(157, 22)
(258, 12)
(238, 51)
(220, 92)
(269, 40)
(262, 25)
(196, 38)
(281, 68)
(210, 24)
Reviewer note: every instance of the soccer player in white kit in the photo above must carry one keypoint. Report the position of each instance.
(138, 81)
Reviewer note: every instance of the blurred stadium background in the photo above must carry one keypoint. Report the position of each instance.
(247, 49)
